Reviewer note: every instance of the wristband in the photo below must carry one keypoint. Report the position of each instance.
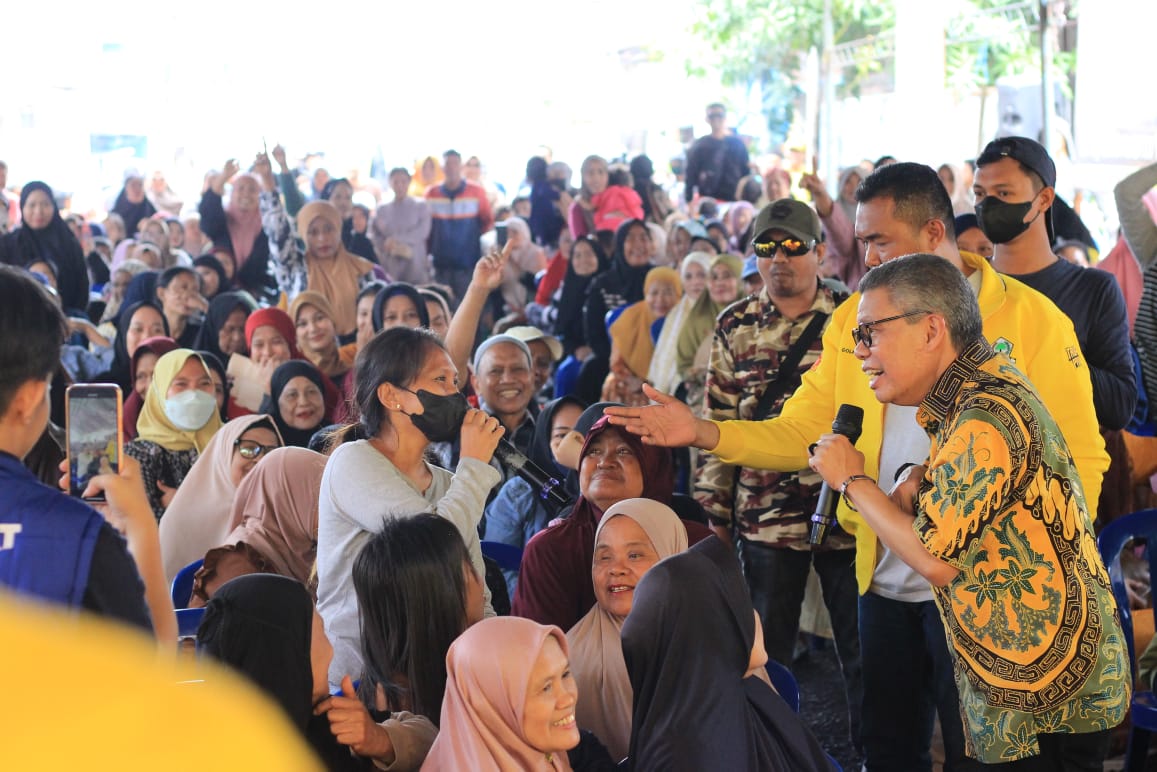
(844, 489)
(902, 468)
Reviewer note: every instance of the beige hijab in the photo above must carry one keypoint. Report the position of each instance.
(198, 518)
(338, 279)
(596, 653)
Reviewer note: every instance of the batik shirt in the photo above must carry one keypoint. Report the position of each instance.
(774, 508)
(1036, 644)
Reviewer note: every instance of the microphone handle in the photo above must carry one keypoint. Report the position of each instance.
(546, 487)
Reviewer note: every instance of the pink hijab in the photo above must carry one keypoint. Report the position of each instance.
(275, 510)
(243, 226)
(487, 675)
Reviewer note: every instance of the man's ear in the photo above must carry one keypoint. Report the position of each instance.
(1047, 197)
(29, 396)
(935, 232)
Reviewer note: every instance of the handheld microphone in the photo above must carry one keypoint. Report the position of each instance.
(849, 422)
(545, 486)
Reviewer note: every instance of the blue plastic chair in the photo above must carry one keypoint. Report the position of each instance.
(188, 620)
(507, 557)
(784, 683)
(1139, 525)
(612, 315)
(566, 376)
(182, 588)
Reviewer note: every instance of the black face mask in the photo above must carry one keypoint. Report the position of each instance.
(442, 415)
(1001, 221)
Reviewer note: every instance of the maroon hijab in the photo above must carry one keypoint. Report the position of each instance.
(160, 345)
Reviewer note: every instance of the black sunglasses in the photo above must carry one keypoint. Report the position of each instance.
(792, 247)
(863, 332)
(251, 449)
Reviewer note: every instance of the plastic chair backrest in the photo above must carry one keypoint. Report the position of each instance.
(188, 620)
(612, 315)
(507, 557)
(1114, 537)
(784, 683)
(182, 588)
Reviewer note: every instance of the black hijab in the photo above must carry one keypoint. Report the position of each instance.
(214, 362)
(132, 213)
(281, 377)
(687, 643)
(623, 278)
(121, 370)
(262, 626)
(55, 245)
(569, 324)
(400, 288)
(214, 265)
(220, 307)
(142, 288)
(539, 451)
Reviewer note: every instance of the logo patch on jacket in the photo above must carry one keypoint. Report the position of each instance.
(1003, 346)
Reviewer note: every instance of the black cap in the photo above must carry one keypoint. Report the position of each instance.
(1028, 152)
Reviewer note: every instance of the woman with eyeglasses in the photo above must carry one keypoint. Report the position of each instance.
(273, 525)
(198, 517)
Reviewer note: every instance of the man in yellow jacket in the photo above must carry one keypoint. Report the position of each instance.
(902, 209)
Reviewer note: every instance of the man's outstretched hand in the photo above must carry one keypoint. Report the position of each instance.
(669, 423)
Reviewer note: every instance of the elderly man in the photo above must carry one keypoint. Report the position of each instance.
(1001, 528)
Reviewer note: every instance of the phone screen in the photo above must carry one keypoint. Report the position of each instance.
(500, 232)
(94, 434)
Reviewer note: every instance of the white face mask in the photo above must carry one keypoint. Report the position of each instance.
(190, 410)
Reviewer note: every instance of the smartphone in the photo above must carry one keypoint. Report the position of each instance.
(500, 232)
(95, 434)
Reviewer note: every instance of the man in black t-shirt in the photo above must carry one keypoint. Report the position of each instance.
(717, 162)
(1014, 189)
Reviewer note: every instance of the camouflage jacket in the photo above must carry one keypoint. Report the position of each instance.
(774, 508)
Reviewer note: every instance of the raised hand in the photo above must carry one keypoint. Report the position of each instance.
(279, 156)
(488, 270)
(264, 169)
(819, 193)
(352, 725)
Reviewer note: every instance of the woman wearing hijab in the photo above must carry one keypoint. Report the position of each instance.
(693, 274)
(632, 336)
(322, 264)
(633, 535)
(581, 216)
(546, 222)
(739, 217)
(273, 523)
(265, 628)
(214, 280)
(43, 236)
(198, 519)
(144, 364)
(691, 645)
(510, 700)
(586, 261)
(176, 423)
(317, 338)
(223, 331)
(180, 298)
(399, 305)
(518, 512)
(340, 193)
(132, 204)
(238, 226)
(619, 286)
(138, 322)
(693, 345)
(554, 583)
(526, 257)
(296, 402)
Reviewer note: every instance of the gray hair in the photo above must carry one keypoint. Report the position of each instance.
(925, 282)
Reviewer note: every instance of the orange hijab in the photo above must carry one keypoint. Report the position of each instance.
(338, 280)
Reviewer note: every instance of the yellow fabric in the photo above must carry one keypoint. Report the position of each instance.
(331, 362)
(1043, 346)
(337, 279)
(154, 426)
(631, 332)
(84, 692)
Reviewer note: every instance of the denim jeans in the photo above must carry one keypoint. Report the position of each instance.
(907, 681)
(777, 578)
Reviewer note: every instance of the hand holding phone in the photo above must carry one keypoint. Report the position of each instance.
(95, 435)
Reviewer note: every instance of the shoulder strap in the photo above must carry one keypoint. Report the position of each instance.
(787, 365)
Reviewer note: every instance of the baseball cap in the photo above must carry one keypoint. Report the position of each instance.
(750, 267)
(794, 217)
(694, 228)
(1028, 152)
(527, 333)
(495, 340)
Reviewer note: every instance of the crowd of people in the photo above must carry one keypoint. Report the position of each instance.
(464, 483)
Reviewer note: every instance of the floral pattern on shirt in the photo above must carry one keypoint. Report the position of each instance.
(1036, 644)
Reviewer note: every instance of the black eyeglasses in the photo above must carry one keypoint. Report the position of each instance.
(863, 332)
(251, 449)
(792, 247)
